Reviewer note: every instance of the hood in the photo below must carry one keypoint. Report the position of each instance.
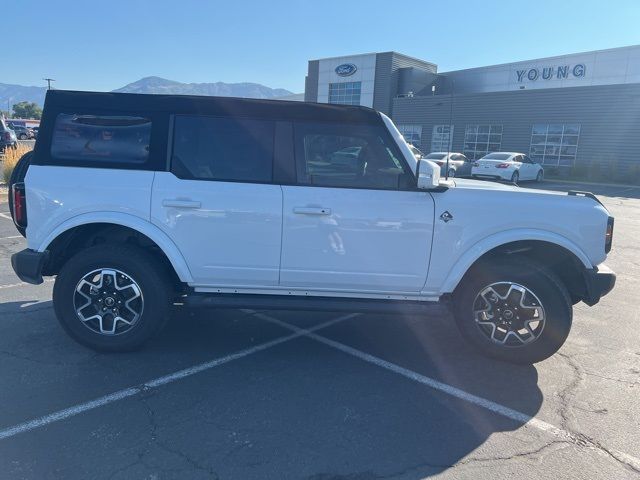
(493, 186)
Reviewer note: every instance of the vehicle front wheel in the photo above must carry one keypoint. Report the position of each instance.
(112, 297)
(515, 177)
(540, 176)
(513, 310)
(452, 173)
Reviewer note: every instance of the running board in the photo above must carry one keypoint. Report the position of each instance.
(295, 302)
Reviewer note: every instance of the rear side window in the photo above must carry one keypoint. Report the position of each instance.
(355, 156)
(116, 139)
(223, 148)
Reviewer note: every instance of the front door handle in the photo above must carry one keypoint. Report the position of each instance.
(181, 203)
(312, 210)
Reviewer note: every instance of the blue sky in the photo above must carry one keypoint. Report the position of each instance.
(105, 44)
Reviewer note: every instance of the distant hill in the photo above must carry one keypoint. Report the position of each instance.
(162, 85)
(19, 93)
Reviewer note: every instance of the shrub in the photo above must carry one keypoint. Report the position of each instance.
(10, 160)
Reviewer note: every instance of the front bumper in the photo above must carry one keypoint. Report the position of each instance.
(28, 265)
(598, 281)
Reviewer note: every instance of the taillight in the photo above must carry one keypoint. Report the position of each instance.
(440, 163)
(19, 205)
(502, 165)
(608, 237)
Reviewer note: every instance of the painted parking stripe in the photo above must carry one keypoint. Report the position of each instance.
(11, 237)
(24, 284)
(6, 216)
(494, 407)
(157, 382)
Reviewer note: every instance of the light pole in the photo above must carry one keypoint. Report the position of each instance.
(49, 80)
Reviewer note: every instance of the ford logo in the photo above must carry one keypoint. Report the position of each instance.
(346, 69)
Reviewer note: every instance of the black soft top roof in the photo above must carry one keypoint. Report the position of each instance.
(135, 103)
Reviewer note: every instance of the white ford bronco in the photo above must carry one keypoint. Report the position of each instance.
(137, 202)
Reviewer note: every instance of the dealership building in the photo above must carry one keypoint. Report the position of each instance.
(572, 112)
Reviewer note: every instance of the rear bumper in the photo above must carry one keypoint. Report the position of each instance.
(28, 265)
(599, 281)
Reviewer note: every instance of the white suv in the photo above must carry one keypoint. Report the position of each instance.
(139, 201)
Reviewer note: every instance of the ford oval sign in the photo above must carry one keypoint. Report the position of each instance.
(346, 69)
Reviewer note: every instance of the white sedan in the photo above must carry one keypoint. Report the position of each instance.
(511, 166)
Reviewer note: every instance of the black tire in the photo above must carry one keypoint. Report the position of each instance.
(452, 173)
(540, 176)
(545, 285)
(17, 176)
(515, 177)
(152, 281)
(22, 136)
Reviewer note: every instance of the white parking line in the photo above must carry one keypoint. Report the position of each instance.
(13, 236)
(23, 284)
(461, 394)
(157, 382)
(6, 216)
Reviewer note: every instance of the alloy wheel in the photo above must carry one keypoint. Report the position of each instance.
(509, 314)
(108, 301)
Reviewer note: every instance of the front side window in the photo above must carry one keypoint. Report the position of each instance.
(93, 138)
(442, 138)
(348, 156)
(554, 144)
(223, 148)
(345, 93)
(482, 139)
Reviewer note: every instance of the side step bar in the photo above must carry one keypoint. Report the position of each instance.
(295, 302)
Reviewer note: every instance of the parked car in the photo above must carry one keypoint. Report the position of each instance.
(23, 133)
(8, 137)
(458, 166)
(256, 207)
(511, 166)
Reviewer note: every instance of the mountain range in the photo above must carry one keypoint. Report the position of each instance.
(19, 93)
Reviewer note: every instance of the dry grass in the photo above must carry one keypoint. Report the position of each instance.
(10, 160)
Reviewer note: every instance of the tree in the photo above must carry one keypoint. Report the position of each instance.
(27, 110)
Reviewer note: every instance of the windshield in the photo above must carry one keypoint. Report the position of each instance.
(497, 156)
(436, 156)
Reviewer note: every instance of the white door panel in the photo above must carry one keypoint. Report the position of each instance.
(356, 239)
(228, 232)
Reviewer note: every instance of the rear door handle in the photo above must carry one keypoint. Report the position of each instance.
(181, 203)
(312, 210)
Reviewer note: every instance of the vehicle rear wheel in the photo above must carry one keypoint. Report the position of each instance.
(515, 177)
(17, 176)
(112, 298)
(23, 136)
(540, 176)
(513, 310)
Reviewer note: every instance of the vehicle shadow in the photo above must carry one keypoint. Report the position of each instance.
(298, 410)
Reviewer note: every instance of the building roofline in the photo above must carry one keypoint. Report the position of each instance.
(626, 47)
(393, 52)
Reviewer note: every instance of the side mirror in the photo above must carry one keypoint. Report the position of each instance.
(428, 175)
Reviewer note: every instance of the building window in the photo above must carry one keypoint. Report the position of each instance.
(411, 133)
(554, 144)
(442, 138)
(482, 139)
(345, 93)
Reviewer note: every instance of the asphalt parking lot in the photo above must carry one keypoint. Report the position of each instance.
(278, 395)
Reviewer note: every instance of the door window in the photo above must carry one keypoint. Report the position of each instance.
(224, 149)
(348, 156)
